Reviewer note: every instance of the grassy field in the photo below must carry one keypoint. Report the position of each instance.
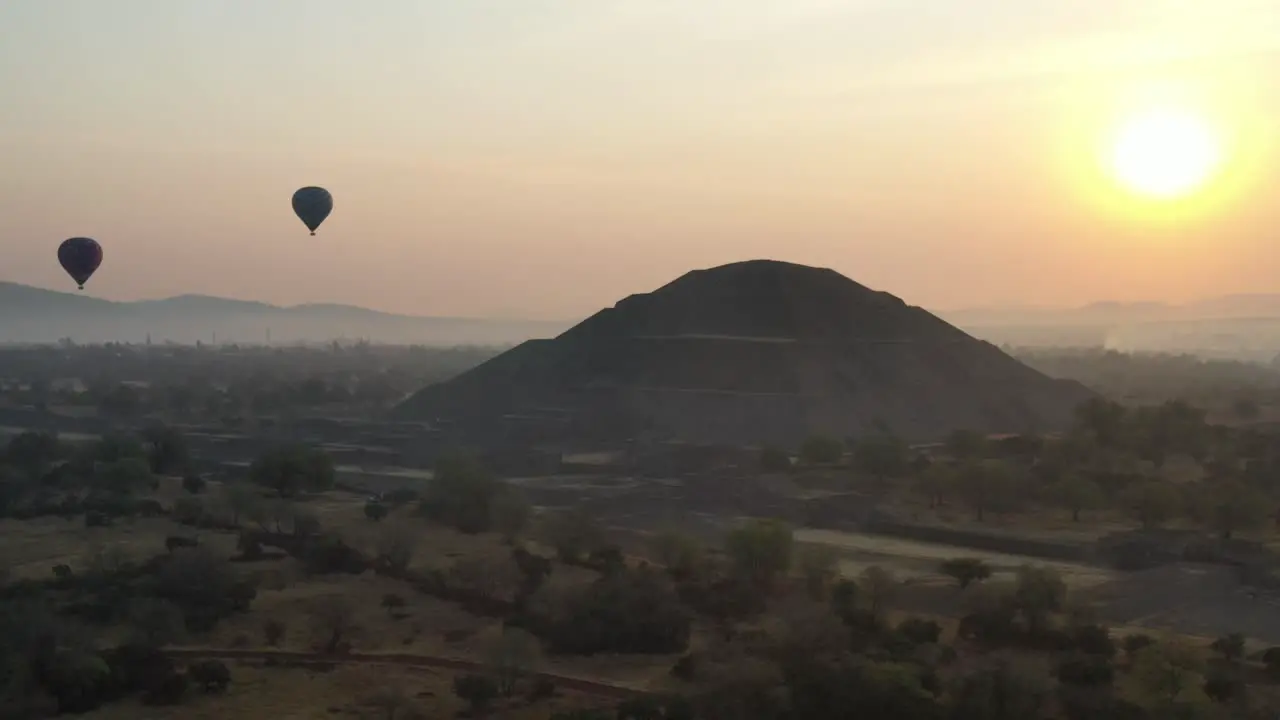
(425, 626)
(920, 560)
(344, 692)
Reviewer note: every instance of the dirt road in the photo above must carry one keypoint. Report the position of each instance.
(588, 687)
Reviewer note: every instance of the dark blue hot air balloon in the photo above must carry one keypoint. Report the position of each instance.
(312, 205)
(80, 257)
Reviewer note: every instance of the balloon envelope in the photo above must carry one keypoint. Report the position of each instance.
(80, 257)
(312, 205)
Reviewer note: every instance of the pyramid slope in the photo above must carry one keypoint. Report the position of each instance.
(754, 352)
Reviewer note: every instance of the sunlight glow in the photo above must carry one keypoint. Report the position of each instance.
(1165, 154)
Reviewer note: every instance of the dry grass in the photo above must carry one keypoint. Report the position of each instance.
(913, 559)
(297, 694)
(32, 547)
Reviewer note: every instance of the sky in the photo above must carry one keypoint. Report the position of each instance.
(544, 158)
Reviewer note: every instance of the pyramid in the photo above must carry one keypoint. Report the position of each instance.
(751, 353)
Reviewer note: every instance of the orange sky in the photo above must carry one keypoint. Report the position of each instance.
(548, 157)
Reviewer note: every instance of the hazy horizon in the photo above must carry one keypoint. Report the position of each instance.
(546, 158)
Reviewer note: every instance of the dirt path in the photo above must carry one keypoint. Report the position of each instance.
(589, 687)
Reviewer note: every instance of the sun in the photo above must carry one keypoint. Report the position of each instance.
(1165, 154)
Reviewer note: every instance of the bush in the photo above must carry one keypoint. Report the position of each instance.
(212, 676)
(477, 690)
(966, 571)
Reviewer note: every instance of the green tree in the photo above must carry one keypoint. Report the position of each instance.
(240, 500)
(461, 493)
(680, 554)
(878, 585)
(966, 571)
(514, 656)
(1152, 503)
(124, 476)
(1239, 508)
(881, 456)
(774, 459)
(510, 511)
(965, 445)
(936, 482)
(154, 622)
(293, 469)
(1167, 675)
(760, 550)
(820, 567)
(821, 450)
(1040, 592)
(166, 449)
(1076, 493)
(1105, 420)
(574, 533)
(989, 486)
(375, 510)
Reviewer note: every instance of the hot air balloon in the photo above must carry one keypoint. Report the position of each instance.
(312, 205)
(80, 257)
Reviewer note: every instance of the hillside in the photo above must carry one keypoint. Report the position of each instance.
(34, 315)
(752, 352)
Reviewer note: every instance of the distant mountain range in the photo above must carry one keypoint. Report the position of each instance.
(1233, 325)
(35, 315)
(1115, 313)
(1239, 327)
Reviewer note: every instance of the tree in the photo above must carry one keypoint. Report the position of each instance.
(966, 445)
(33, 452)
(881, 456)
(124, 476)
(166, 449)
(821, 450)
(395, 546)
(1230, 647)
(573, 533)
(1104, 419)
(760, 550)
(680, 554)
(121, 401)
(375, 510)
(774, 460)
(513, 656)
(292, 469)
(1076, 493)
(989, 485)
(966, 571)
(211, 675)
(1237, 507)
(1167, 672)
(879, 586)
(193, 483)
(461, 493)
(273, 631)
(936, 482)
(510, 512)
(240, 500)
(477, 690)
(1152, 503)
(819, 564)
(155, 622)
(392, 603)
(1039, 593)
(1001, 692)
(334, 619)
(392, 704)
(1246, 409)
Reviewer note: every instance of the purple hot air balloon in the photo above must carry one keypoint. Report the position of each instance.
(80, 257)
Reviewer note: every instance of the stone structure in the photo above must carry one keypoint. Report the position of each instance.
(757, 352)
